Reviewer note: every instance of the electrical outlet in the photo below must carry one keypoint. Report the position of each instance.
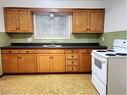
(29, 39)
(102, 38)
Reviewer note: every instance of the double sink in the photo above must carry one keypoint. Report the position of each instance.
(52, 45)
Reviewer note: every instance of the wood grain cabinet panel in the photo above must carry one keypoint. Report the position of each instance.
(85, 60)
(72, 68)
(43, 62)
(10, 63)
(80, 21)
(10, 20)
(51, 60)
(58, 63)
(26, 63)
(18, 20)
(88, 21)
(16, 62)
(72, 60)
(97, 21)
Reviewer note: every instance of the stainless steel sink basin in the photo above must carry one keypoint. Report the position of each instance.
(52, 45)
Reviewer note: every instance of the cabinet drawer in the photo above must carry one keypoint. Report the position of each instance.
(28, 51)
(10, 51)
(72, 56)
(72, 51)
(72, 62)
(85, 51)
(58, 51)
(72, 68)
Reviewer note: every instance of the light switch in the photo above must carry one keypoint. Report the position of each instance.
(102, 38)
(29, 39)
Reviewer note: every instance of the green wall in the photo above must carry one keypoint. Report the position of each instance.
(110, 36)
(75, 38)
(4, 39)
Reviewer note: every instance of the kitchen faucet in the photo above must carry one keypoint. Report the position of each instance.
(52, 43)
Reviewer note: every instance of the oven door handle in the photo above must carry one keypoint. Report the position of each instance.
(100, 59)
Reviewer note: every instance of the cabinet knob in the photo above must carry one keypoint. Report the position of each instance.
(18, 57)
(9, 51)
(72, 56)
(51, 57)
(27, 51)
(72, 62)
(17, 28)
(72, 51)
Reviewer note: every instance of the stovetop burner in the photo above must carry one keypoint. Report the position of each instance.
(121, 54)
(110, 50)
(101, 51)
(110, 54)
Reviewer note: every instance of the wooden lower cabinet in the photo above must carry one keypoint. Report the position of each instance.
(46, 60)
(72, 68)
(18, 61)
(51, 62)
(58, 63)
(85, 60)
(10, 63)
(26, 63)
(43, 63)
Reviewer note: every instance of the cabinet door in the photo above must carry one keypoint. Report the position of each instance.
(43, 62)
(58, 63)
(26, 63)
(97, 21)
(10, 20)
(24, 20)
(9, 63)
(85, 63)
(80, 21)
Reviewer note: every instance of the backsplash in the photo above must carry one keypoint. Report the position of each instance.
(110, 36)
(75, 38)
(4, 39)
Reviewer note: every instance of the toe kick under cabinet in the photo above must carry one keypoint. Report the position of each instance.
(46, 60)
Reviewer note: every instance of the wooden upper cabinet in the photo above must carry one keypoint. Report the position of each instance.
(97, 21)
(10, 20)
(80, 21)
(88, 21)
(18, 20)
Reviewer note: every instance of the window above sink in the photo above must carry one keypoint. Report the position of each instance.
(52, 25)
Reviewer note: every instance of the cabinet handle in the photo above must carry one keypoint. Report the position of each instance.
(18, 28)
(19, 57)
(9, 51)
(72, 68)
(72, 56)
(27, 51)
(51, 57)
(72, 51)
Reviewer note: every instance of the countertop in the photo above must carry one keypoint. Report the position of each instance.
(63, 45)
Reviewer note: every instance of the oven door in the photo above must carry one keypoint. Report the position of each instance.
(99, 68)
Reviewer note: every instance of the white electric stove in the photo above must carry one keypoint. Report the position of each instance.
(109, 69)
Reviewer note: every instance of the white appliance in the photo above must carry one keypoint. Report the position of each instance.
(1, 72)
(109, 69)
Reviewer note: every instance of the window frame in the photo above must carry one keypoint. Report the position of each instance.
(69, 17)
